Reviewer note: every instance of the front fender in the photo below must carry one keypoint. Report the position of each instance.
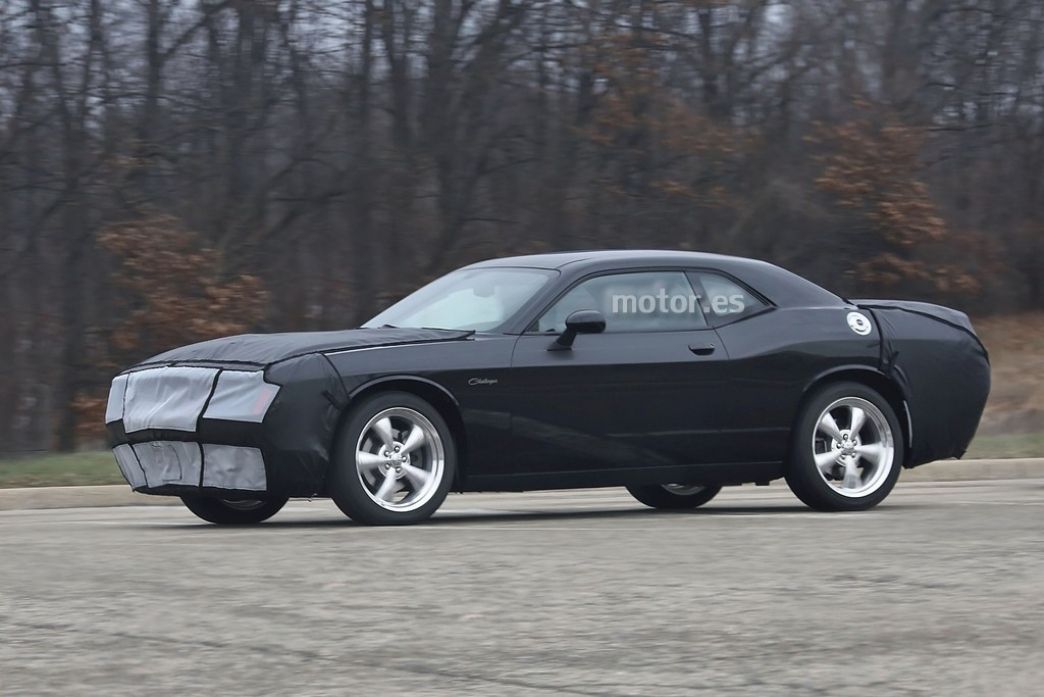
(302, 423)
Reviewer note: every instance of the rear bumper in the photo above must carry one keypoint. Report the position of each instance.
(942, 369)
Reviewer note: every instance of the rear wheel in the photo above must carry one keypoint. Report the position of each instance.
(847, 449)
(674, 496)
(394, 462)
(229, 512)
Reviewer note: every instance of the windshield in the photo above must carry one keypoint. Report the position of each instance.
(477, 299)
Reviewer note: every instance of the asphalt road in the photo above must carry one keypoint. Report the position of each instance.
(940, 591)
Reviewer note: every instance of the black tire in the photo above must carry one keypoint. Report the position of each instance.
(221, 512)
(661, 496)
(346, 486)
(802, 473)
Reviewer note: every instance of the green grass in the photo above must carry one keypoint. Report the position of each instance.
(65, 469)
(93, 468)
(1019, 445)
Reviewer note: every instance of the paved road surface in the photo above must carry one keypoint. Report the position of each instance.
(938, 592)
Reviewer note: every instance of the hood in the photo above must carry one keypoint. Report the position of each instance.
(259, 350)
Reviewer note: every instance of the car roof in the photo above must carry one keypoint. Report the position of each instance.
(600, 257)
(782, 287)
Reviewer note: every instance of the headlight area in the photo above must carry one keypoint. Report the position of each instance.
(173, 398)
(241, 396)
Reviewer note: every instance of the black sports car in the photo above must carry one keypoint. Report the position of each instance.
(670, 373)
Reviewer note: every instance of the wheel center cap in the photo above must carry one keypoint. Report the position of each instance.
(846, 447)
(394, 458)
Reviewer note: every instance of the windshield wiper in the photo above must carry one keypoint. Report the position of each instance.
(468, 332)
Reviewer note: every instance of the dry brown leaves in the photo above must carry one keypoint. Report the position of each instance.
(872, 166)
(637, 117)
(175, 292)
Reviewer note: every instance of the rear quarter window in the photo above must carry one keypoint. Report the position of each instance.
(724, 299)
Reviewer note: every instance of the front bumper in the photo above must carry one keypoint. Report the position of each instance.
(158, 413)
(223, 430)
(159, 464)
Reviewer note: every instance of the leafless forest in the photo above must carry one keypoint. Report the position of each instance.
(175, 169)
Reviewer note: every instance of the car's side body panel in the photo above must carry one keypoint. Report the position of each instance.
(617, 401)
(773, 358)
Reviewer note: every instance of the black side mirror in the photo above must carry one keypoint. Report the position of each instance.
(579, 322)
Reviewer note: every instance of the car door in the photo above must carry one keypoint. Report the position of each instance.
(644, 393)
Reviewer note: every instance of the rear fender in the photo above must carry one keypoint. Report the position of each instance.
(873, 378)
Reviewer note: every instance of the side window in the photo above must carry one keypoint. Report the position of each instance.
(644, 301)
(722, 299)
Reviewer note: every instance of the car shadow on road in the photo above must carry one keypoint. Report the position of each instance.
(453, 518)
(465, 518)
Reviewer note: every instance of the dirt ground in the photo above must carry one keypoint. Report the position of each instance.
(1016, 346)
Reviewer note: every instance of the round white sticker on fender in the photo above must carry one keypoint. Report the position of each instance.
(859, 323)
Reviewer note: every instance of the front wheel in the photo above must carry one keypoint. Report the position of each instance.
(674, 496)
(229, 512)
(394, 462)
(847, 449)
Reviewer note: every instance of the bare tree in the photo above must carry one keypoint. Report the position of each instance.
(339, 153)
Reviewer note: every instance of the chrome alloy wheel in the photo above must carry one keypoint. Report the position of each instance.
(853, 447)
(400, 459)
